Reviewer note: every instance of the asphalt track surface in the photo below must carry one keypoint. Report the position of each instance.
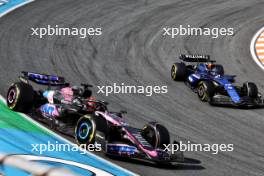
(132, 50)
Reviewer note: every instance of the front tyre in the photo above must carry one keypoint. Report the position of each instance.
(205, 90)
(251, 89)
(178, 72)
(156, 134)
(85, 130)
(20, 97)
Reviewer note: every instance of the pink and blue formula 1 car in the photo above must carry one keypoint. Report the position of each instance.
(71, 111)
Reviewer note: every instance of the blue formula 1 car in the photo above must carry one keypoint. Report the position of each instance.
(208, 80)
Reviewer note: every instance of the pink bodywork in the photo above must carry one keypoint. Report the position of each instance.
(67, 93)
(119, 122)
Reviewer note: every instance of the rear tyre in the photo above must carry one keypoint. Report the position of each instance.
(178, 72)
(20, 97)
(251, 89)
(205, 90)
(156, 134)
(85, 130)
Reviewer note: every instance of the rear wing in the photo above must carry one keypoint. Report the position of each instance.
(195, 58)
(43, 79)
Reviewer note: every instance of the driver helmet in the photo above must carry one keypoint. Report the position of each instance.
(210, 66)
(77, 90)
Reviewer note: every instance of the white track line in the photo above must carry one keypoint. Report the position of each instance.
(259, 44)
(15, 7)
(69, 142)
(98, 172)
(253, 49)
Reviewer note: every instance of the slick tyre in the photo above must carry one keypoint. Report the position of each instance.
(178, 72)
(20, 97)
(85, 130)
(156, 134)
(205, 90)
(251, 89)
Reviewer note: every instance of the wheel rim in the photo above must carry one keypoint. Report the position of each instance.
(84, 130)
(149, 135)
(173, 71)
(11, 96)
(201, 91)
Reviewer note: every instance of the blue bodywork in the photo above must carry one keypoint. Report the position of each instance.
(44, 79)
(202, 73)
(121, 149)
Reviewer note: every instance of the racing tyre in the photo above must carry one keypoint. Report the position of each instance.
(205, 90)
(178, 72)
(20, 97)
(85, 130)
(156, 134)
(251, 89)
